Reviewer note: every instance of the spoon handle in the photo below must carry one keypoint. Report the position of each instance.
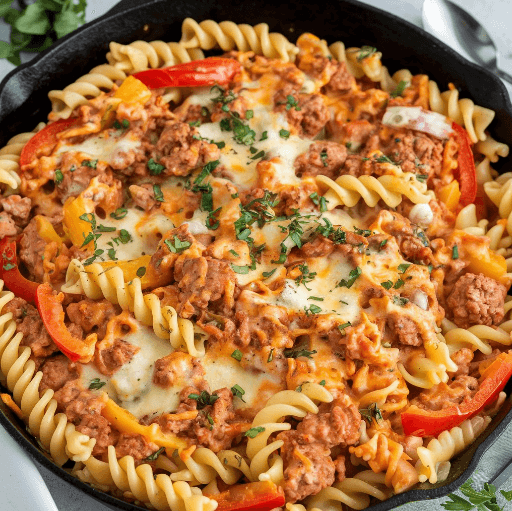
(504, 75)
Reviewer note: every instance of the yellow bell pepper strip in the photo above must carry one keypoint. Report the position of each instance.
(419, 422)
(260, 496)
(450, 195)
(134, 268)
(50, 309)
(10, 273)
(46, 230)
(489, 263)
(133, 91)
(125, 422)
(76, 228)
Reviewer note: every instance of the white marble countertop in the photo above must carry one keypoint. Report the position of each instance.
(495, 15)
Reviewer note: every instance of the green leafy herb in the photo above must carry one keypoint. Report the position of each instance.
(204, 399)
(154, 456)
(322, 383)
(96, 384)
(155, 168)
(387, 284)
(249, 114)
(267, 274)
(402, 268)
(323, 157)
(306, 276)
(59, 177)
(421, 177)
(90, 163)
(482, 500)
(399, 300)
(38, 25)
(298, 352)
(399, 89)
(317, 298)
(284, 134)
(370, 413)
(141, 272)
(119, 213)
(238, 392)
(212, 222)
(242, 270)
(264, 136)
(254, 432)
(362, 232)
(352, 277)
(237, 355)
(157, 191)
(343, 326)
(124, 236)
(312, 309)
(8, 266)
(322, 203)
(291, 102)
(384, 159)
(365, 52)
(398, 284)
(178, 246)
(455, 252)
(270, 355)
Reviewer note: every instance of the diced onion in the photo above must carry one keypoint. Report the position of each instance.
(415, 118)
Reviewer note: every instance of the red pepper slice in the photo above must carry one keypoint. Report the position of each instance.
(466, 175)
(197, 73)
(10, 273)
(422, 423)
(260, 496)
(51, 312)
(47, 136)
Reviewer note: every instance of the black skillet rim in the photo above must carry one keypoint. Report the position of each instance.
(16, 428)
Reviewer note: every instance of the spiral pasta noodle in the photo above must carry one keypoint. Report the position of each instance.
(474, 118)
(10, 158)
(500, 193)
(56, 435)
(142, 484)
(229, 36)
(447, 445)
(282, 404)
(348, 190)
(385, 455)
(95, 282)
(354, 492)
(475, 336)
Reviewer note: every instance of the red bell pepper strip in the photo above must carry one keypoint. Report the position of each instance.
(198, 73)
(10, 273)
(47, 136)
(466, 175)
(51, 312)
(419, 422)
(260, 496)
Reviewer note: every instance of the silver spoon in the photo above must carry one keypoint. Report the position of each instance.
(463, 33)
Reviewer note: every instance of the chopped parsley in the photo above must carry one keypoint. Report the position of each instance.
(204, 399)
(284, 134)
(119, 213)
(254, 432)
(155, 168)
(157, 191)
(455, 252)
(370, 413)
(323, 157)
(90, 163)
(267, 274)
(237, 355)
(402, 268)
(154, 456)
(238, 392)
(352, 277)
(270, 355)
(212, 222)
(96, 384)
(365, 52)
(343, 326)
(306, 276)
(399, 300)
(59, 177)
(178, 246)
(264, 136)
(298, 352)
(399, 89)
(388, 284)
(421, 177)
(291, 102)
(319, 201)
(141, 272)
(242, 270)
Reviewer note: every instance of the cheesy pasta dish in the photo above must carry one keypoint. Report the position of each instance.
(274, 275)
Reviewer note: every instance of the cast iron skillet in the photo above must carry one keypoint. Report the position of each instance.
(23, 103)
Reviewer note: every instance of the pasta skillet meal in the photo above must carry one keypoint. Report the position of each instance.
(276, 277)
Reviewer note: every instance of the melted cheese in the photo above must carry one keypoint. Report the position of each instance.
(102, 148)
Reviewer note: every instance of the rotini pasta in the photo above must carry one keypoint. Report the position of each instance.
(447, 445)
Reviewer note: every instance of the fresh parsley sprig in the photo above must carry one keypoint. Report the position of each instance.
(482, 500)
(37, 26)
